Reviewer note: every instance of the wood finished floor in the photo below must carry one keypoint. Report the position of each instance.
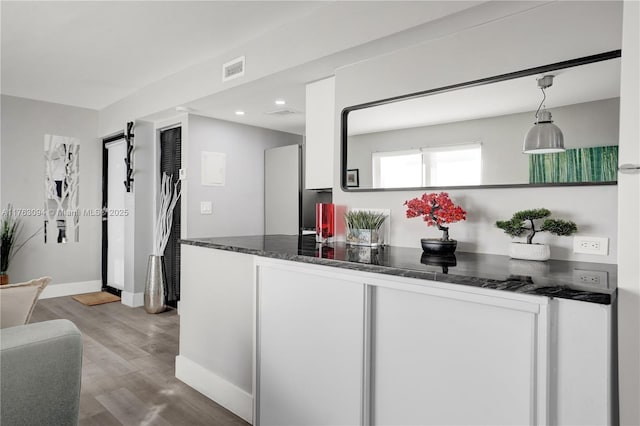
(128, 371)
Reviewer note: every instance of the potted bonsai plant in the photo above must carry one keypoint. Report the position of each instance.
(363, 227)
(436, 209)
(524, 222)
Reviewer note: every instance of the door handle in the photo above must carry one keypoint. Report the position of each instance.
(629, 168)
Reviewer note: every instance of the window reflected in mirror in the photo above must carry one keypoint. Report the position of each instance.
(397, 169)
(428, 166)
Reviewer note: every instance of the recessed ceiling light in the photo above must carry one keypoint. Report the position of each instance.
(280, 102)
(239, 112)
(183, 109)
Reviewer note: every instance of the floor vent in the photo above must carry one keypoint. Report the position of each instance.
(233, 69)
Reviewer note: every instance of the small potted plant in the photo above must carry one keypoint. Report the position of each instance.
(436, 209)
(10, 230)
(525, 222)
(363, 227)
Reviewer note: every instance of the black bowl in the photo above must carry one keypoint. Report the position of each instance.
(446, 261)
(433, 260)
(438, 247)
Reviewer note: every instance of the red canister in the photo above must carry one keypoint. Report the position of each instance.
(324, 222)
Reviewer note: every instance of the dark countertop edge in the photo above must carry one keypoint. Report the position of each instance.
(487, 283)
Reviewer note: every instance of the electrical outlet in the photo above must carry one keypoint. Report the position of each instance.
(591, 278)
(205, 207)
(591, 245)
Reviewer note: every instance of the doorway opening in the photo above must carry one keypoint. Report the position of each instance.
(170, 163)
(113, 198)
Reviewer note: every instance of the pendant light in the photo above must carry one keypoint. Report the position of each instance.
(544, 137)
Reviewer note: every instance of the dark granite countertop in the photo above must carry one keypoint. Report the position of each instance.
(583, 281)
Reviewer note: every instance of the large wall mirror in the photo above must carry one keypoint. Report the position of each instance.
(471, 134)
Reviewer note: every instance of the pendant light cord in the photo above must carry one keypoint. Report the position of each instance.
(544, 97)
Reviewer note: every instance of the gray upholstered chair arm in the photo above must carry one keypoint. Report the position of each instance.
(40, 374)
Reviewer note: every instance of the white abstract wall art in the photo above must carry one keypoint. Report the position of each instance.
(61, 187)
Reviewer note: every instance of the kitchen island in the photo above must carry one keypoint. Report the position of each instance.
(281, 330)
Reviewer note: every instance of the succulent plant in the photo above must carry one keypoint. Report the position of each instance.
(361, 219)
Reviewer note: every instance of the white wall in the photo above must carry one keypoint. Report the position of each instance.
(583, 125)
(144, 178)
(629, 220)
(510, 44)
(238, 207)
(139, 222)
(24, 124)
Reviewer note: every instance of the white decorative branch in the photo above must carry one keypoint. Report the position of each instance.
(169, 196)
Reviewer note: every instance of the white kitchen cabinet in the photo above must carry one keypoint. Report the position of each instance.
(309, 349)
(582, 373)
(334, 346)
(320, 134)
(443, 360)
(216, 326)
(343, 348)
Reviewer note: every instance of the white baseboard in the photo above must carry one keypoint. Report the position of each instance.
(215, 388)
(132, 300)
(70, 289)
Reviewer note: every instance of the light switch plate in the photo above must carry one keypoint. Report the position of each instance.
(205, 207)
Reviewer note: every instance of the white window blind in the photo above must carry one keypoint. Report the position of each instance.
(453, 165)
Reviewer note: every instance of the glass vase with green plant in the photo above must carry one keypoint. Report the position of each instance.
(364, 227)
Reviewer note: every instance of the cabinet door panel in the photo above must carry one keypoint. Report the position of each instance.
(310, 331)
(320, 131)
(441, 361)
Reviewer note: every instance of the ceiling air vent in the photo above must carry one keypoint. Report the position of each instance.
(281, 111)
(233, 69)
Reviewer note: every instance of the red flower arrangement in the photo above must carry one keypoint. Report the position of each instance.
(436, 210)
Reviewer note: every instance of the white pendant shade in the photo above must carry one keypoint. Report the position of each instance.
(544, 137)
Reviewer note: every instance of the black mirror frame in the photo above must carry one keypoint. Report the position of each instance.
(502, 77)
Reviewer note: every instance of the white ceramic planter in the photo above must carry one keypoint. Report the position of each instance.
(527, 268)
(529, 251)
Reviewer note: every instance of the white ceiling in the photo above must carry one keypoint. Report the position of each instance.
(94, 54)
(257, 100)
(87, 54)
